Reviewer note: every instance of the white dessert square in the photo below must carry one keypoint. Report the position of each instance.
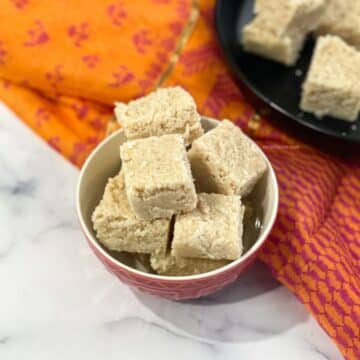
(176, 266)
(284, 49)
(117, 227)
(212, 231)
(332, 85)
(165, 111)
(158, 178)
(225, 161)
(279, 29)
(342, 18)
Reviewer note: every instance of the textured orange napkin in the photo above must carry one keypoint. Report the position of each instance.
(63, 63)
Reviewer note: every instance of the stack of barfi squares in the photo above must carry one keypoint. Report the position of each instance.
(278, 32)
(280, 27)
(181, 207)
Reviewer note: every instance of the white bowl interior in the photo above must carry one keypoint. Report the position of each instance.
(104, 162)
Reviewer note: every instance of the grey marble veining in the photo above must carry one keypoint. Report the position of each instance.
(58, 302)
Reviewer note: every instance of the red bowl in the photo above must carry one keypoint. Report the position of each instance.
(103, 163)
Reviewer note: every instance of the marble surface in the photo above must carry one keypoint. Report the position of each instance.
(58, 302)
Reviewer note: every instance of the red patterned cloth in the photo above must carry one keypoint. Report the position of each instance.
(63, 65)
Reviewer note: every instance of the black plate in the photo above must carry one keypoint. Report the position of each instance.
(277, 85)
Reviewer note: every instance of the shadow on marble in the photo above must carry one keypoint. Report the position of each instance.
(253, 308)
(255, 281)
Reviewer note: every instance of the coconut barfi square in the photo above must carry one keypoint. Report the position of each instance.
(165, 111)
(117, 227)
(280, 27)
(226, 161)
(342, 18)
(332, 85)
(284, 49)
(212, 231)
(176, 266)
(158, 178)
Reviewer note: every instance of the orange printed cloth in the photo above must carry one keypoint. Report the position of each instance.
(62, 65)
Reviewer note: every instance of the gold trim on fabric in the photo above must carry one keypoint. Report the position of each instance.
(254, 124)
(188, 30)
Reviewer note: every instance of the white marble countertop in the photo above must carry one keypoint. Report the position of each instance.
(58, 302)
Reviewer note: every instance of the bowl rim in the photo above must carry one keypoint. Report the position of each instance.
(251, 252)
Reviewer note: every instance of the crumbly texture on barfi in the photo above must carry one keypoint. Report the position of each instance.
(165, 111)
(158, 178)
(225, 161)
(284, 49)
(280, 27)
(170, 265)
(285, 7)
(259, 5)
(342, 18)
(212, 231)
(332, 86)
(288, 17)
(117, 227)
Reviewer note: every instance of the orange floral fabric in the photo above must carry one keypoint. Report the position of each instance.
(62, 64)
